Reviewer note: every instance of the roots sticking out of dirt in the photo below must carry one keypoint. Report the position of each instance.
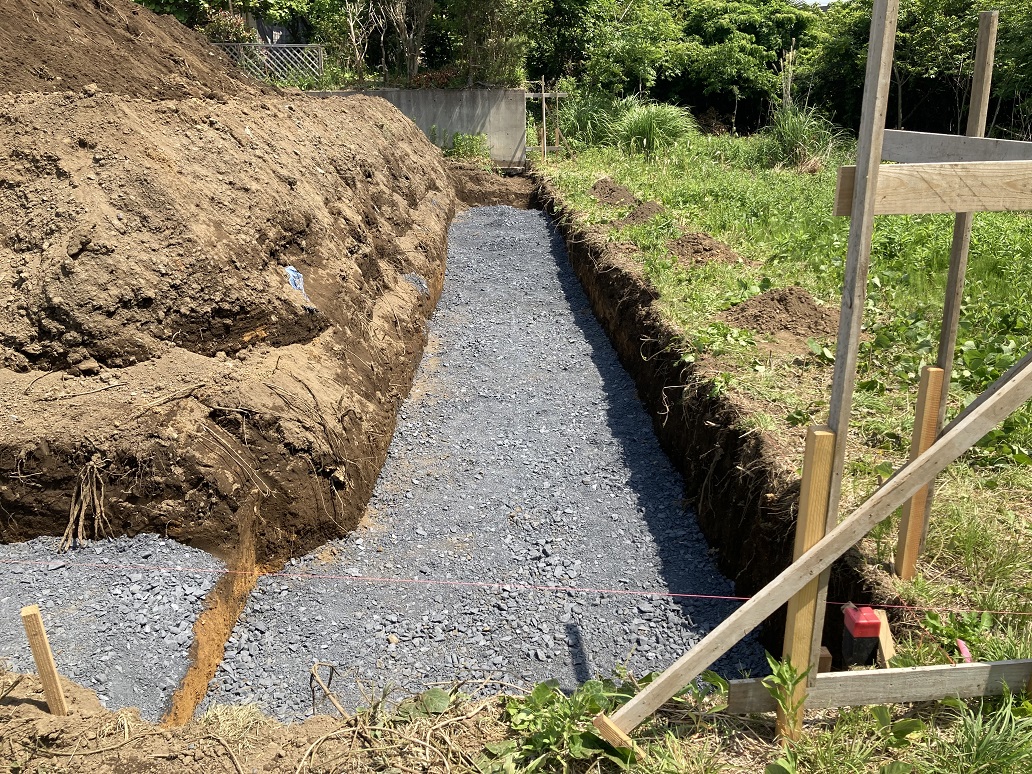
(207, 301)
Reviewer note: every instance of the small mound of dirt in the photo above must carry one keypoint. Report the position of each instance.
(643, 213)
(695, 248)
(783, 310)
(477, 187)
(116, 45)
(608, 191)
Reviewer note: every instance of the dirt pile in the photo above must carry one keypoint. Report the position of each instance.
(789, 310)
(695, 248)
(121, 47)
(608, 191)
(209, 309)
(641, 214)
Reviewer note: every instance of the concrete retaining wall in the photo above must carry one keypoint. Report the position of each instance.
(501, 114)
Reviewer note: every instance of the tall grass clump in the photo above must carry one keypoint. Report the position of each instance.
(585, 117)
(650, 127)
(799, 137)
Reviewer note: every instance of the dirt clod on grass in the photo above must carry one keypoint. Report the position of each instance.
(695, 248)
(641, 214)
(608, 191)
(790, 310)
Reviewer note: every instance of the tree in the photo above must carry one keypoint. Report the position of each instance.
(630, 43)
(409, 18)
(492, 38)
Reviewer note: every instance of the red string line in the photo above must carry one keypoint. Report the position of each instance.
(474, 584)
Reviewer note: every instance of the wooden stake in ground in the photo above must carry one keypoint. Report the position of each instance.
(988, 22)
(884, 15)
(544, 122)
(44, 657)
(799, 634)
(911, 526)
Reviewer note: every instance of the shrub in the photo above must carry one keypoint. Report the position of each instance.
(799, 137)
(649, 127)
(469, 146)
(225, 27)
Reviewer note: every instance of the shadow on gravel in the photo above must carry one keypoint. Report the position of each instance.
(648, 465)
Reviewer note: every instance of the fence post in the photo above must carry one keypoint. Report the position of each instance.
(44, 658)
(799, 625)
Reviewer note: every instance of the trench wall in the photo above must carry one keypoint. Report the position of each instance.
(744, 494)
(501, 114)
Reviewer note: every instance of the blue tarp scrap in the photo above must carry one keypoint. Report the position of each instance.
(297, 281)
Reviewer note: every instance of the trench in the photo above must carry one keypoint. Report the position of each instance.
(440, 607)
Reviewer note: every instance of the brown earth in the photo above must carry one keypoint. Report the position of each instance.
(790, 310)
(696, 247)
(476, 186)
(65, 45)
(643, 213)
(608, 191)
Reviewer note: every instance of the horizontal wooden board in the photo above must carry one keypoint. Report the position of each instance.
(927, 148)
(912, 189)
(890, 686)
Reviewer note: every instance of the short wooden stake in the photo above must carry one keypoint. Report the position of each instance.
(824, 661)
(813, 505)
(911, 527)
(886, 645)
(44, 657)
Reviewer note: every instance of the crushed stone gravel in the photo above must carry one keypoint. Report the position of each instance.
(119, 613)
(521, 458)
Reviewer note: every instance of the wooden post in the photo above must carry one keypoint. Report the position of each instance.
(544, 122)
(813, 498)
(884, 15)
(978, 111)
(911, 526)
(44, 657)
(1004, 397)
(556, 116)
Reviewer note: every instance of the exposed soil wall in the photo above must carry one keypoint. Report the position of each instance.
(745, 491)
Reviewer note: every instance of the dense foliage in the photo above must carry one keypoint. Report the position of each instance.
(723, 58)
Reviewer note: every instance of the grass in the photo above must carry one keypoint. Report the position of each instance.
(778, 219)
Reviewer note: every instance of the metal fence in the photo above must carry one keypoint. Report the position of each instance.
(280, 62)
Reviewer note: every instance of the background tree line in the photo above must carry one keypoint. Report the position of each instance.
(730, 61)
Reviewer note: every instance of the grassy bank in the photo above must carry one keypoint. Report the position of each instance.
(779, 223)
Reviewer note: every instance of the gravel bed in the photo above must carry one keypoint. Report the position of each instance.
(119, 613)
(522, 458)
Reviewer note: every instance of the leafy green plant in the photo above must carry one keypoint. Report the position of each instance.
(469, 146)
(781, 683)
(554, 729)
(226, 27)
(799, 137)
(647, 128)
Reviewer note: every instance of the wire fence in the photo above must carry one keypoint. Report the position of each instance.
(279, 62)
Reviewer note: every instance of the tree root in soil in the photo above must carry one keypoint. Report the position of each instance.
(87, 505)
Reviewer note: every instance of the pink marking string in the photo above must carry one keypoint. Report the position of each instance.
(461, 583)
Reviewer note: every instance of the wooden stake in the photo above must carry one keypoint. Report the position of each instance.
(544, 122)
(886, 645)
(911, 526)
(884, 15)
(799, 634)
(44, 657)
(988, 22)
(1004, 397)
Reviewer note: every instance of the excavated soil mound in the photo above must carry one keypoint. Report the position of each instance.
(789, 310)
(209, 312)
(643, 213)
(695, 248)
(123, 48)
(608, 191)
